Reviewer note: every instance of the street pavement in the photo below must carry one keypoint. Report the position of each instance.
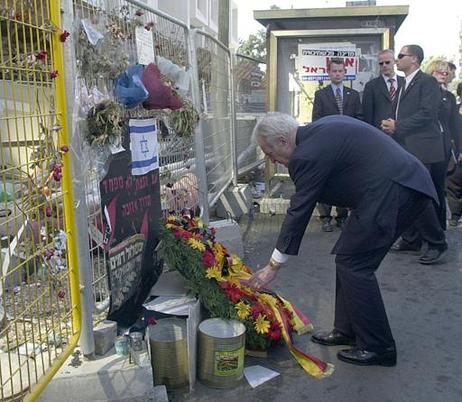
(424, 306)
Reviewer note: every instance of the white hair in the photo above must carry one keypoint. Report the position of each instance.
(274, 125)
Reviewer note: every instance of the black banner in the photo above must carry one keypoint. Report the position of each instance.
(131, 214)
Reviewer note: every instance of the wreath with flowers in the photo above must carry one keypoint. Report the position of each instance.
(190, 247)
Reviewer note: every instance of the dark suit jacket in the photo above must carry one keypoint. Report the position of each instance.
(451, 122)
(377, 105)
(325, 104)
(343, 161)
(417, 127)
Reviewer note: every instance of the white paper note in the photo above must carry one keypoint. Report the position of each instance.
(257, 375)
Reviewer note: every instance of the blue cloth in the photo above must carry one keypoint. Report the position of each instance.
(129, 88)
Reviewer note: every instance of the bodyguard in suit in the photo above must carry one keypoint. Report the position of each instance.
(416, 127)
(380, 93)
(343, 161)
(335, 99)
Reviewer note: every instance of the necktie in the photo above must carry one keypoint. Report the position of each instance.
(392, 89)
(339, 100)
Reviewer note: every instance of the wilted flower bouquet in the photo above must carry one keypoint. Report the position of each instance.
(215, 277)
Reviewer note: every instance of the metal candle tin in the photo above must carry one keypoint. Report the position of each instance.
(221, 352)
(169, 352)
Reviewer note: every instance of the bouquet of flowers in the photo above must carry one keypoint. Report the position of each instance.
(214, 275)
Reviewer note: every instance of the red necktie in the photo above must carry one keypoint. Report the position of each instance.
(392, 89)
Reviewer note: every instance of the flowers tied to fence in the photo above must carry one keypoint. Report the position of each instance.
(189, 246)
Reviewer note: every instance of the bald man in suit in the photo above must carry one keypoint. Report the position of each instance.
(380, 93)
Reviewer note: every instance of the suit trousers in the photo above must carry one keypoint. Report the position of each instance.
(325, 212)
(454, 189)
(430, 226)
(359, 308)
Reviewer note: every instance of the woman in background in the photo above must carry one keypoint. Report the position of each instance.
(450, 123)
(454, 182)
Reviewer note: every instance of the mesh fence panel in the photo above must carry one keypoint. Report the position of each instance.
(35, 304)
(249, 76)
(118, 21)
(216, 102)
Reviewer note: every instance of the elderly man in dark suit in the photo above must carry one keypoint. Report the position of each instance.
(415, 125)
(380, 93)
(335, 99)
(343, 161)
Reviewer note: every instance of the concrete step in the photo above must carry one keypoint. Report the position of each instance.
(107, 378)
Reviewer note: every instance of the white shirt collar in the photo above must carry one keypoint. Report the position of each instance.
(410, 77)
(385, 78)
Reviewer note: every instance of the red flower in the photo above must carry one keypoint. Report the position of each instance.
(61, 294)
(64, 35)
(213, 231)
(64, 149)
(183, 233)
(53, 74)
(256, 310)
(152, 321)
(149, 25)
(274, 335)
(41, 55)
(234, 294)
(208, 259)
(225, 285)
(57, 175)
(48, 212)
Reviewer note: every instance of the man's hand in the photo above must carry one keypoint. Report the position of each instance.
(459, 158)
(261, 278)
(388, 126)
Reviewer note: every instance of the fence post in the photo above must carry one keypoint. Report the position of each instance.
(87, 342)
(232, 60)
(199, 137)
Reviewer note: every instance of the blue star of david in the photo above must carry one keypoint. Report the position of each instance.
(144, 146)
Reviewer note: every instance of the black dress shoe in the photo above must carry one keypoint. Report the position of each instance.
(332, 338)
(403, 246)
(326, 226)
(432, 255)
(340, 222)
(363, 357)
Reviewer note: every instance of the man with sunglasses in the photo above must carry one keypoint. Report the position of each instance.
(381, 92)
(415, 126)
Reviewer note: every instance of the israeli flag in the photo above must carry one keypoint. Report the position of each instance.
(143, 145)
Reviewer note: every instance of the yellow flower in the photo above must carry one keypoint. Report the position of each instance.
(243, 310)
(196, 244)
(198, 223)
(262, 325)
(214, 273)
(171, 226)
(172, 218)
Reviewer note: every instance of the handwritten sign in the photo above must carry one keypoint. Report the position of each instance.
(144, 46)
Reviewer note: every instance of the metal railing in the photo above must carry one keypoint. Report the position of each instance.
(39, 286)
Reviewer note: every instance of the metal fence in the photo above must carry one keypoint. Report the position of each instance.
(39, 287)
(178, 170)
(250, 99)
(216, 100)
(40, 313)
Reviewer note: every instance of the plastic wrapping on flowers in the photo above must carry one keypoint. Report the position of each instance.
(215, 277)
